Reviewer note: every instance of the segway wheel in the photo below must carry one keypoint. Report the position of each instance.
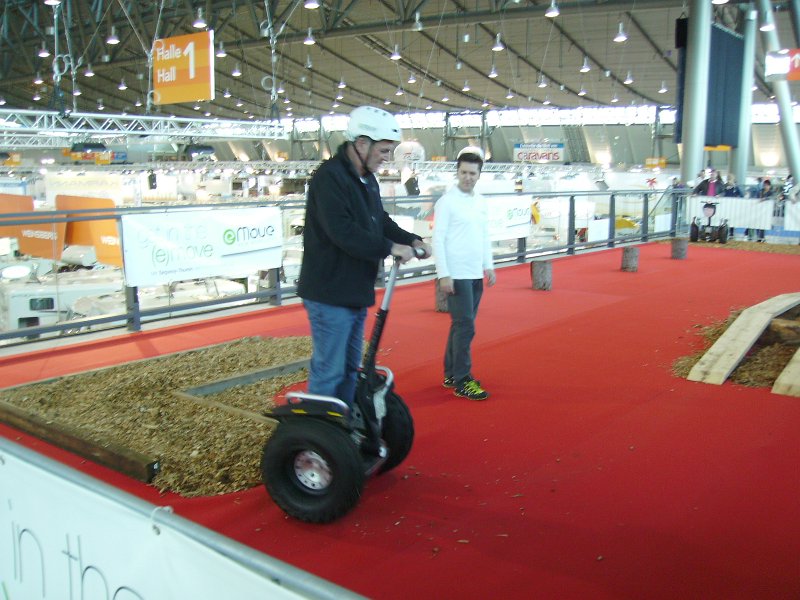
(694, 232)
(723, 234)
(397, 432)
(312, 469)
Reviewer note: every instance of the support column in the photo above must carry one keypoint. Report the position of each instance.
(791, 145)
(741, 154)
(695, 98)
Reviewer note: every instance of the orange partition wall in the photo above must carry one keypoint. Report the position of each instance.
(102, 234)
(44, 240)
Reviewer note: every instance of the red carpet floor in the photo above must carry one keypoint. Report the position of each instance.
(591, 472)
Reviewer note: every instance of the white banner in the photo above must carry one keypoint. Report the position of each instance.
(509, 217)
(741, 212)
(63, 539)
(162, 248)
(791, 220)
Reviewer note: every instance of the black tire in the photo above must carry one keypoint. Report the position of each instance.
(694, 232)
(312, 470)
(723, 234)
(713, 234)
(397, 431)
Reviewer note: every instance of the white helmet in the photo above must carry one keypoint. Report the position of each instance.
(470, 150)
(374, 123)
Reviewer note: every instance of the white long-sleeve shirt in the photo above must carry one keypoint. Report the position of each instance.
(461, 245)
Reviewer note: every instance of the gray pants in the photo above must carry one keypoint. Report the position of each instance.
(463, 307)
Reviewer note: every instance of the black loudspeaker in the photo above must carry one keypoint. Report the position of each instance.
(151, 180)
(681, 32)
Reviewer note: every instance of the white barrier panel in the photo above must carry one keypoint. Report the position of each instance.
(69, 536)
(509, 217)
(160, 248)
(749, 213)
(791, 221)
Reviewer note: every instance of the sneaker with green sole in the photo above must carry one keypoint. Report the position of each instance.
(472, 390)
(450, 382)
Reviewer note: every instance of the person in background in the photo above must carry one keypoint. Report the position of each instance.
(463, 257)
(732, 191)
(766, 193)
(711, 186)
(346, 236)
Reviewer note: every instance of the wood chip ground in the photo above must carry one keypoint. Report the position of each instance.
(203, 451)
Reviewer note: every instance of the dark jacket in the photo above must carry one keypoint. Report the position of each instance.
(347, 234)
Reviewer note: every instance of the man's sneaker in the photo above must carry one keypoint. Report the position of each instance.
(471, 389)
(450, 382)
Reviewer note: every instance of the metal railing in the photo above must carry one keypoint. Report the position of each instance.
(561, 223)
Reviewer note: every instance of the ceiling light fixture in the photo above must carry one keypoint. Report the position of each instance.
(37, 80)
(585, 67)
(628, 79)
(199, 22)
(311, 4)
(615, 99)
(509, 95)
(88, 72)
(43, 51)
(546, 101)
(582, 92)
(542, 81)
(138, 102)
(411, 78)
(499, 46)
(387, 102)
(226, 93)
(309, 41)
(100, 105)
(484, 104)
(309, 64)
(466, 87)
(112, 38)
(221, 51)
(552, 12)
(396, 54)
(76, 91)
(663, 89)
(239, 103)
(37, 96)
(493, 72)
(280, 89)
(52, 2)
(445, 98)
(122, 85)
(417, 23)
(2, 101)
(718, 2)
(399, 92)
(341, 85)
(621, 35)
(237, 70)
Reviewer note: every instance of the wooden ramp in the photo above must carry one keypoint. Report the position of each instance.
(788, 382)
(724, 356)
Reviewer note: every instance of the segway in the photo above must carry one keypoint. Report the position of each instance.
(707, 232)
(316, 462)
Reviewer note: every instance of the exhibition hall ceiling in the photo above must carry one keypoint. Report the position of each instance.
(438, 55)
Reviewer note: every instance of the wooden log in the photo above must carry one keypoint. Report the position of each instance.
(630, 259)
(441, 299)
(783, 331)
(680, 248)
(126, 461)
(542, 274)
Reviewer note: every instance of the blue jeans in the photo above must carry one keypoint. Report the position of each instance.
(463, 306)
(337, 340)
